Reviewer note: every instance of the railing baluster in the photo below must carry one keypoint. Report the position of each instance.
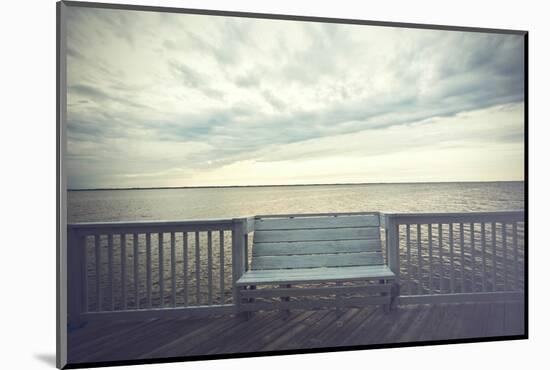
(409, 280)
(99, 296)
(110, 266)
(149, 269)
(136, 269)
(483, 258)
(505, 257)
(198, 267)
(452, 257)
(173, 266)
(516, 261)
(246, 252)
(440, 245)
(85, 277)
(473, 255)
(185, 270)
(419, 288)
(430, 257)
(123, 269)
(161, 268)
(463, 278)
(393, 247)
(494, 255)
(209, 234)
(222, 262)
(77, 280)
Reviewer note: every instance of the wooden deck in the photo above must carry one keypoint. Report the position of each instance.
(272, 331)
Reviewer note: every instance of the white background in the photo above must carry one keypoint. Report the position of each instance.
(27, 144)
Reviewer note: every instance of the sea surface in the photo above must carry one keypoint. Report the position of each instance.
(200, 203)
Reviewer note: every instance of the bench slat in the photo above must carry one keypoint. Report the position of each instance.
(320, 303)
(316, 222)
(316, 234)
(317, 260)
(323, 291)
(315, 275)
(316, 247)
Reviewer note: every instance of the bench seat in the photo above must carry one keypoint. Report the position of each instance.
(326, 250)
(316, 275)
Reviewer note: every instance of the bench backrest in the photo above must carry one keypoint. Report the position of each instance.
(316, 241)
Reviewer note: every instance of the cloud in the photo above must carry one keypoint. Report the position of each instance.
(157, 98)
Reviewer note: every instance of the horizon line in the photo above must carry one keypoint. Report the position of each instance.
(281, 185)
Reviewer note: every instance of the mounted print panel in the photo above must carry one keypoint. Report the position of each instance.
(236, 184)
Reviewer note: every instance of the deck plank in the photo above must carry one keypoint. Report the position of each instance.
(282, 341)
(254, 342)
(496, 324)
(272, 330)
(483, 317)
(188, 343)
(97, 342)
(313, 323)
(514, 318)
(435, 316)
(260, 324)
(366, 329)
(418, 324)
(401, 318)
(313, 340)
(447, 322)
(338, 330)
(473, 314)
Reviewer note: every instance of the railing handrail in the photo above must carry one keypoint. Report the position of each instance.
(90, 228)
(228, 221)
(443, 217)
(502, 212)
(146, 223)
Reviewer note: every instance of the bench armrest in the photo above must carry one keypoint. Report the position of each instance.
(239, 251)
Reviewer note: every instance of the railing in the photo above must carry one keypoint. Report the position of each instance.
(129, 269)
(188, 268)
(453, 257)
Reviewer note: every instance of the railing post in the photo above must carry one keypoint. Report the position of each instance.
(76, 282)
(238, 257)
(392, 250)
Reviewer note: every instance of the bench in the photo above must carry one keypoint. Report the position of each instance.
(337, 257)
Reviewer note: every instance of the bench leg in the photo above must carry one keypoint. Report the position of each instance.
(250, 314)
(286, 312)
(246, 314)
(387, 307)
(338, 301)
(395, 291)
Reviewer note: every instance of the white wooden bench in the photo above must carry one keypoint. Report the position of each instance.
(312, 256)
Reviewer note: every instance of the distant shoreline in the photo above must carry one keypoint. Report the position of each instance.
(293, 185)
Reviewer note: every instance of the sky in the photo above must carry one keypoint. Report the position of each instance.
(159, 99)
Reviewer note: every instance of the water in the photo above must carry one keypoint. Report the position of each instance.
(179, 204)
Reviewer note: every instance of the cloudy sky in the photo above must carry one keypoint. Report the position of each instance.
(158, 99)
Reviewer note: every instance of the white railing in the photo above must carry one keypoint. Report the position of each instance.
(178, 268)
(456, 257)
(129, 269)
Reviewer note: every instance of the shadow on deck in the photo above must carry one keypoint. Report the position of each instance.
(271, 331)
